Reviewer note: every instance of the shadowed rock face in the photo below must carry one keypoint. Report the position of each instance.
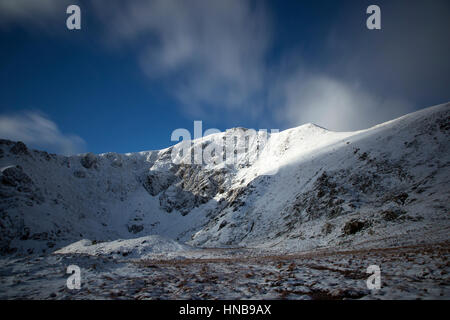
(17, 190)
(16, 183)
(353, 227)
(14, 177)
(19, 148)
(359, 185)
(89, 160)
(184, 187)
(156, 182)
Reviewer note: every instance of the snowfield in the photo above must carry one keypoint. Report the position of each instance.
(301, 216)
(144, 247)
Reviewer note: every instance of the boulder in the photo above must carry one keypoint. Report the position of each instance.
(354, 226)
(89, 160)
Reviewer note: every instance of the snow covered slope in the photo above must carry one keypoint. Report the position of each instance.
(307, 187)
(144, 247)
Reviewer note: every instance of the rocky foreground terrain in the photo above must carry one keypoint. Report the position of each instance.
(410, 272)
(300, 215)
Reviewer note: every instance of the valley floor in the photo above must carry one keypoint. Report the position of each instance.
(410, 272)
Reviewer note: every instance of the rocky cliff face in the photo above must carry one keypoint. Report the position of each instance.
(303, 188)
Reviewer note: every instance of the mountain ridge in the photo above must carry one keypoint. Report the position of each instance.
(308, 187)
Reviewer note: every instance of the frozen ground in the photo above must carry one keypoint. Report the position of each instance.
(411, 272)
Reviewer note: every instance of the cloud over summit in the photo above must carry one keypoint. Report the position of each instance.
(38, 131)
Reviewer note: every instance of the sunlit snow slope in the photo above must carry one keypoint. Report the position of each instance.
(307, 187)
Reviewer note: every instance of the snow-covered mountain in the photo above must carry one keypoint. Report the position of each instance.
(305, 188)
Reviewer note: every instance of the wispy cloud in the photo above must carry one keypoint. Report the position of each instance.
(212, 56)
(407, 57)
(210, 53)
(38, 131)
(363, 77)
(33, 13)
(333, 103)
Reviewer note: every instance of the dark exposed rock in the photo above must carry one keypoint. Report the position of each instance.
(155, 182)
(116, 163)
(135, 228)
(392, 214)
(192, 187)
(235, 196)
(327, 228)
(444, 124)
(223, 224)
(363, 156)
(14, 176)
(19, 148)
(6, 142)
(40, 236)
(116, 159)
(354, 226)
(175, 198)
(25, 234)
(414, 218)
(400, 198)
(50, 244)
(89, 160)
(79, 174)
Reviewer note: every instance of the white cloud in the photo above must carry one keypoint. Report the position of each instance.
(396, 60)
(211, 55)
(37, 131)
(332, 103)
(209, 52)
(33, 13)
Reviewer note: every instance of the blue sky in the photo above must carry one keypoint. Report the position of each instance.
(137, 70)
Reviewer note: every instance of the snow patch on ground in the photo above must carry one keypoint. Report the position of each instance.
(143, 247)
